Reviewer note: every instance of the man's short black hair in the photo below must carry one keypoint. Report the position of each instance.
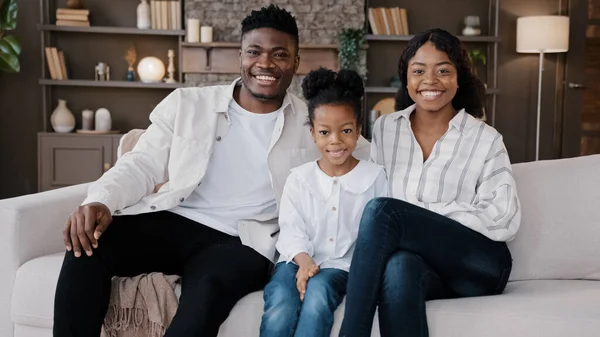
(272, 17)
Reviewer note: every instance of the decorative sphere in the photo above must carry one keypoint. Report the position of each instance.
(151, 70)
(74, 4)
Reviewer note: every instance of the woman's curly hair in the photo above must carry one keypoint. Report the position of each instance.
(471, 91)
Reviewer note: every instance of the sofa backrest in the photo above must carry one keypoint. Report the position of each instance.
(559, 237)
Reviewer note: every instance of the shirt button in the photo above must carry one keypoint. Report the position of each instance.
(181, 199)
(152, 207)
(199, 183)
(333, 209)
(218, 138)
(335, 182)
(330, 239)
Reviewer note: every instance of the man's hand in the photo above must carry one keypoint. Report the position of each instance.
(307, 268)
(84, 227)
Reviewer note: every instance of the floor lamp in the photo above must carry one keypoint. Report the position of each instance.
(542, 34)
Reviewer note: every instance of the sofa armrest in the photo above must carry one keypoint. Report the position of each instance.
(31, 226)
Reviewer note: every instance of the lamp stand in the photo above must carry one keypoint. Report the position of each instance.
(539, 107)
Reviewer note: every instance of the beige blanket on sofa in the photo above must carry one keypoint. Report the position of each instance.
(141, 306)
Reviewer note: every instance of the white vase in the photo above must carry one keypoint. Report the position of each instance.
(62, 119)
(87, 119)
(143, 15)
(103, 120)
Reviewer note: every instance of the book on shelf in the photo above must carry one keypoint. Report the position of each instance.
(70, 17)
(56, 63)
(165, 14)
(68, 11)
(388, 21)
(72, 23)
(73, 17)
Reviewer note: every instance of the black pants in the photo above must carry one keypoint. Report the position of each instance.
(216, 269)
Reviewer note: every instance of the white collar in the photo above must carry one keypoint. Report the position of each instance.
(357, 181)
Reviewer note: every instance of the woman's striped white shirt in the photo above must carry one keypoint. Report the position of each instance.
(467, 177)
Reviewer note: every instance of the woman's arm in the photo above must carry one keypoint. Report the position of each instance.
(495, 210)
(293, 237)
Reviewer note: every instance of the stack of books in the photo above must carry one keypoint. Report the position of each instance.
(73, 17)
(388, 21)
(165, 14)
(56, 64)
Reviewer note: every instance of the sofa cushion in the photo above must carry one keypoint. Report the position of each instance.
(559, 236)
(33, 293)
(554, 308)
(528, 308)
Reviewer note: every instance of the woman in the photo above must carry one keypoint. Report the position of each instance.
(453, 198)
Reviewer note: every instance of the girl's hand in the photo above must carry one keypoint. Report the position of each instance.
(307, 268)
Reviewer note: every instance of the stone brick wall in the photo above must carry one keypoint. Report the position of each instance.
(319, 22)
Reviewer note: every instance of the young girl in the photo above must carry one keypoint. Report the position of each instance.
(320, 212)
(453, 204)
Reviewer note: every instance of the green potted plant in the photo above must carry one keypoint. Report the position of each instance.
(9, 46)
(477, 57)
(350, 41)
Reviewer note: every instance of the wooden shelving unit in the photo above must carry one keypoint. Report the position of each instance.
(109, 84)
(111, 30)
(70, 158)
(223, 57)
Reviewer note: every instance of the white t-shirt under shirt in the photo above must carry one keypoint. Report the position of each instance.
(320, 215)
(237, 184)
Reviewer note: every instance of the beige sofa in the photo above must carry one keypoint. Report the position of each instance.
(554, 289)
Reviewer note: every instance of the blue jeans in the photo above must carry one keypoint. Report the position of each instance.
(286, 316)
(406, 255)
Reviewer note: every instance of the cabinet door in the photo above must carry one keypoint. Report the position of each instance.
(66, 160)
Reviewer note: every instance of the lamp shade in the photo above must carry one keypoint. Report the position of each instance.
(545, 33)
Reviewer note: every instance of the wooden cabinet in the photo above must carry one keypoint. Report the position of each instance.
(69, 159)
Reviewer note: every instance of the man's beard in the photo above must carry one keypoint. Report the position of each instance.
(260, 97)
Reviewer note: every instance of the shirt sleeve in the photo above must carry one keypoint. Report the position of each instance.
(137, 172)
(374, 140)
(293, 238)
(381, 185)
(495, 211)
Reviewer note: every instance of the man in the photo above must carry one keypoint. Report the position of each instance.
(224, 153)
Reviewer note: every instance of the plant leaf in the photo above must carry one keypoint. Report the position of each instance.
(9, 63)
(8, 14)
(13, 43)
